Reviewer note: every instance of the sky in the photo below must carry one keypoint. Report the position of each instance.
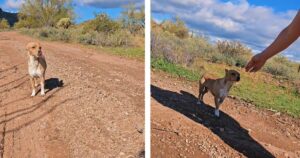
(84, 9)
(255, 23)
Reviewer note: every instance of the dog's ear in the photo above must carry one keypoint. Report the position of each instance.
(27, 47)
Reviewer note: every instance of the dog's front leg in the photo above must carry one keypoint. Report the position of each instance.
(35, 82)
(42, 85)
(218, 102)
(32, 86)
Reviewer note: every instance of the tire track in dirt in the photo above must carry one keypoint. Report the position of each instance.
(93, 107)
(181, 128)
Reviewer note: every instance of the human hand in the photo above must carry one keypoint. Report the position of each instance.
(256, 63)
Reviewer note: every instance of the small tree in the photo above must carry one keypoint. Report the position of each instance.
(133, 19)
(102, 23)
(233, 48)
(64, 23)
(178, 28)
(4, 24)
(44, 13)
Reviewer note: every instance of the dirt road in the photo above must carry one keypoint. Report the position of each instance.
(94, 103)
(181, 128)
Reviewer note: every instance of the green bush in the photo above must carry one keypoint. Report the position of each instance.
(116, 39)
(102, 23)
(43, 13)
(133, 19)
(175, 69)
(177, 50)
(4, 24)
(177, 28)
(87, 38)
(64, 23)
(277, 69)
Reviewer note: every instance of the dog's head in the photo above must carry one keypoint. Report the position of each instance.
(232, 75)
(34, 49)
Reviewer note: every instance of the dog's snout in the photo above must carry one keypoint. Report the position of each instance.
(39, 53)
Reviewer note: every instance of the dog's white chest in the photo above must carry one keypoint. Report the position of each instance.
(223, 92)
(33, 69)
(35, 72)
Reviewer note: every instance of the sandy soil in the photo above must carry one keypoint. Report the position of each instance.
(94, 103)
(181, 128)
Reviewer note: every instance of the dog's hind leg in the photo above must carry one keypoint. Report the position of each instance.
(202, 91)
(32, 86)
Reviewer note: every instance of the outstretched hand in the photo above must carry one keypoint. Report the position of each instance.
(256, 63)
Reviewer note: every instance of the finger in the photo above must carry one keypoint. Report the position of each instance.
(249, 65)
(254, 69)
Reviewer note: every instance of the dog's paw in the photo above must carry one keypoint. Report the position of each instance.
(43, 94)
(217, 113)
(33, 93)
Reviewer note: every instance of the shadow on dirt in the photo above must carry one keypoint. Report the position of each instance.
(50, 84)
(227, 128)
(53, 83)
(31, 109)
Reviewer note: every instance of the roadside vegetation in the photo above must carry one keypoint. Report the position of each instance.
(54, 20)
(176, 50)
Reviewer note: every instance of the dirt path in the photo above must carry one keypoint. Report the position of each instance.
(181, 128)
(93, 107)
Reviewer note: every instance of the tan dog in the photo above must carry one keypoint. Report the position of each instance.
(218, 87)
(36, 66)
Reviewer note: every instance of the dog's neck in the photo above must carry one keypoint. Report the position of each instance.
(227, 83)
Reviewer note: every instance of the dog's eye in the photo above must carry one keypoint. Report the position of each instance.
(33, 47)
(233, 74)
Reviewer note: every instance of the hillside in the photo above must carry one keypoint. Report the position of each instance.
(12, 18)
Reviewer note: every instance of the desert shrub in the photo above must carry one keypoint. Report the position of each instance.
(133, 19)
(102, 23)
(4, 24)
(55, 34)
(87, 38)
(49, 33)
(280, 66)
(43, 13)
(232, 48)
(64, 23)
(234, 53)
(116, 39)
(176, 50)
(276, 69)
(178, 28)
(119, 38)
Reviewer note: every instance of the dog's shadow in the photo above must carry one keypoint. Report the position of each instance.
(226, 127)
(53, 83)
